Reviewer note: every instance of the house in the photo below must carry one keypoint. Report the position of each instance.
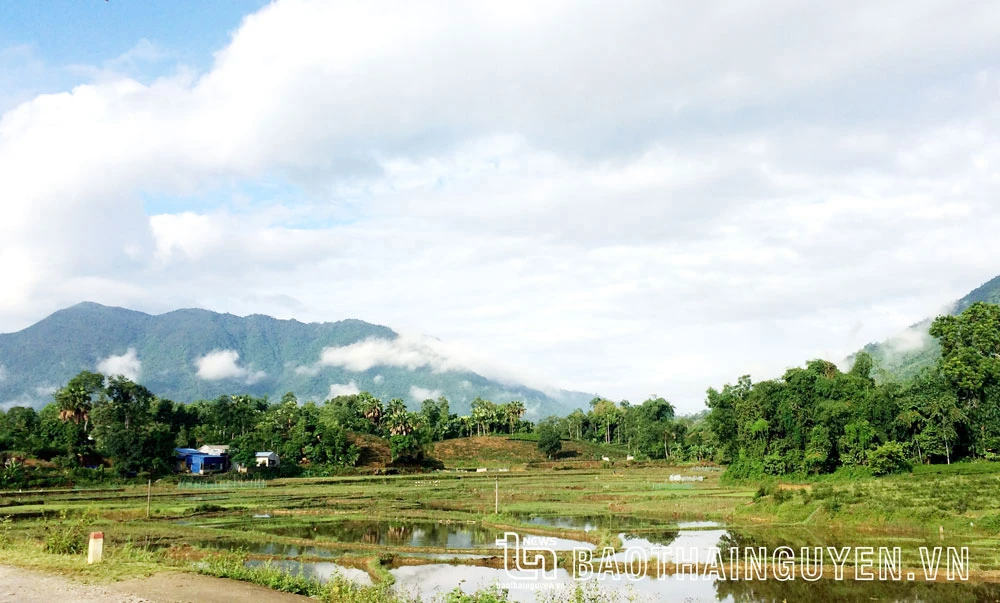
(199, 463)
(266, 459)
(219, 449)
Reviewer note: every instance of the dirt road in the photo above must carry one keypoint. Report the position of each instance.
(26, 586)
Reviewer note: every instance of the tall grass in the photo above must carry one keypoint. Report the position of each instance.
(337, 590)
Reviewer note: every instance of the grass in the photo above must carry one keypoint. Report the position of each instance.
(186, 527)
(516, 452)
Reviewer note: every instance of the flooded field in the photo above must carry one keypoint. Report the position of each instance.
(426, 537)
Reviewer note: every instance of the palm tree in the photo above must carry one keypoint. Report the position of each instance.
(75, 400)
(484, 413)
(513, 411)
(371, 408)
(401, 423)
(465, 425)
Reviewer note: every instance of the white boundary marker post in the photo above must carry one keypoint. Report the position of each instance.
(96, 550)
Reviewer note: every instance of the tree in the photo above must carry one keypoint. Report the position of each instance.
(400, 422)
(484, 415)
(77, 397)
(722, 418)
(970, 361)
(549, 442)
(606, 415)
(862, 365)
(888, 458)
(125, 430)
(405, 448)
(512, 412)
(818, 450)
(857, 441)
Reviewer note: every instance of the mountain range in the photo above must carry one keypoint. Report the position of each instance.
(905, 355)
(194, 354)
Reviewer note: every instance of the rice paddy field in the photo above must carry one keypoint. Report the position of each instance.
(434, 535)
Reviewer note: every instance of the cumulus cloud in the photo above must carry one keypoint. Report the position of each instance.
(127, 365)
(343, 389)
(621, 222)
(224, 364)
(420, 393)
(406, 352)
(378, 379)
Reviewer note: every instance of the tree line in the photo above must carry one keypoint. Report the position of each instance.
(814, 419)
(94, 421)
(817, 419)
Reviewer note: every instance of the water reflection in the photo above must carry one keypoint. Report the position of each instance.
(410, 534)
(275, 549)
(321, 572)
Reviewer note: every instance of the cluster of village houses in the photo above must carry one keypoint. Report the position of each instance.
(215, 459)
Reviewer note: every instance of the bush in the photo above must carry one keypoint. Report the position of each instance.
(65, 537)
(774, 464)
(548, 440)
(888, 458)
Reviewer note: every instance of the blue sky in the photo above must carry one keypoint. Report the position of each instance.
(65, 32)
(592, 196)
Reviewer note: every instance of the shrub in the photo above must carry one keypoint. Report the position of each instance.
(888, 458)
(65, 537)
(774, 464)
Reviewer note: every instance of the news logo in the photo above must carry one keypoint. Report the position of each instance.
(533, 558)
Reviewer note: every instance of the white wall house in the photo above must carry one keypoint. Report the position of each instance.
(267, 459)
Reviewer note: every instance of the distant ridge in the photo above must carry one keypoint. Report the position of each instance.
(914, 350)
(274, 356)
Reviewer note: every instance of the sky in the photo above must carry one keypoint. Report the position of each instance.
(630, 198)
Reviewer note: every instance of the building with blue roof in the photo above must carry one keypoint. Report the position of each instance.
(197, 462)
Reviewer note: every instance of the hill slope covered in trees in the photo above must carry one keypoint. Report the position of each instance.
(906, 355)
(193, 354)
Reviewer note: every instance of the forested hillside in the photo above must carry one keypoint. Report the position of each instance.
(817, 419)
(193, 354)
(906, 355)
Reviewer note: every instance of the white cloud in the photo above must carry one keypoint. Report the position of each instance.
(415, 352)
(224, 364)
(616, 219)
(343, 389)
(377, 379)
(409, 353)
(127, 365)
(420, 393)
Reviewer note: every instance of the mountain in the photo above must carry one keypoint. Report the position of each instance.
(192, 354)
(905, 355)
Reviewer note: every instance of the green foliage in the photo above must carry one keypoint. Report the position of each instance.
(549, 441)
(888, 458)
(816, 419)
(274, 349)
(490, 594)
(405, 449)
(65, 537)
